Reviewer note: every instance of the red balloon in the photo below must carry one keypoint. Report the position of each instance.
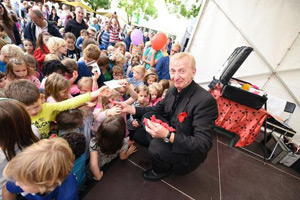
(159, 41)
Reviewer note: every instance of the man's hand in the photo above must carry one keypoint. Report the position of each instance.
(156, 130)
(126, 108)
(135, 123)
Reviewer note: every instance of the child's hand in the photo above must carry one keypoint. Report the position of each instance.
(114, 111)
(90, 104)
(124, 84)
(75, 75)
(98, 178)
(104, 91)
(96, 76)
(131, 150)
(135, 123)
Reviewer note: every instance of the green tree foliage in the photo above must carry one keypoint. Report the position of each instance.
(133, 7)
(185, 8)
(95, 4)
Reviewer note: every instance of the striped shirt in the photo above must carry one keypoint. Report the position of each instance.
(137, 49)
(114, 34)
(105, 38)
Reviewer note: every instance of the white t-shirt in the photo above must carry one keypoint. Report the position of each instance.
(39, 30)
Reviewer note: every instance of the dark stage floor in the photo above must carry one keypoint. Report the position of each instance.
(227, 174)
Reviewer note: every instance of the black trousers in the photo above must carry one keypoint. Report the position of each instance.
(162, 157)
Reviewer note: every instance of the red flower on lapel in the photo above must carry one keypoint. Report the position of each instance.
(182, 116)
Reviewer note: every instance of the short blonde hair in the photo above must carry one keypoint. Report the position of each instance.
(157, 87)
(54, 43)
(118, 59)
(85, 81)
(181, 55)
(92, 51)
(140, 69)
(54, 84)
(51, 56)
(44, 164)
(11, 50)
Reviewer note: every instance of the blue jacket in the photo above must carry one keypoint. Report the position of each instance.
(162, 68)
(29, 31)
(83, 70)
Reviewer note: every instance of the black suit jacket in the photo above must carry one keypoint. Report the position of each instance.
(193, 135)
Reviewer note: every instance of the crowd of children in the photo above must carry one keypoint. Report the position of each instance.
(53, 89)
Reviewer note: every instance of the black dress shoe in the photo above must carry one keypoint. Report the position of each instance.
(151, 175)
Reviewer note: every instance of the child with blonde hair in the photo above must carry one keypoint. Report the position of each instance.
(57, 88)
(57, 46)
(109, 142)
(17, 68)
(155, 91)
(7, 52)
(40, 174)
(117, 59)
(50, 57)
(139, 72)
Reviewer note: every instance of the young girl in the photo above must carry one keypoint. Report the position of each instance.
(57, 46)
(28, 46)
(41, 50)
(72, 52)
(155, 91)
(103, 63)
(72, 67)
(134, 62)
(32, 63)
(17, 68)
(143, 94)
(150, 78)
(117, 59)
(165, 84)
(108, 143)
(42, 171)
(87, 84)
(138, 76)
(50, 67)
(57, 88)
(105, 108)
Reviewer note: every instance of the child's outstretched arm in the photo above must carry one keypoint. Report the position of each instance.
(94, 165)
(95, 78)
(125, 154)
(104, 91)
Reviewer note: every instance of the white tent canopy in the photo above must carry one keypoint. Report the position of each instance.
(271, 27)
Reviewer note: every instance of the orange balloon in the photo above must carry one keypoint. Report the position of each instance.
(159, 41)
